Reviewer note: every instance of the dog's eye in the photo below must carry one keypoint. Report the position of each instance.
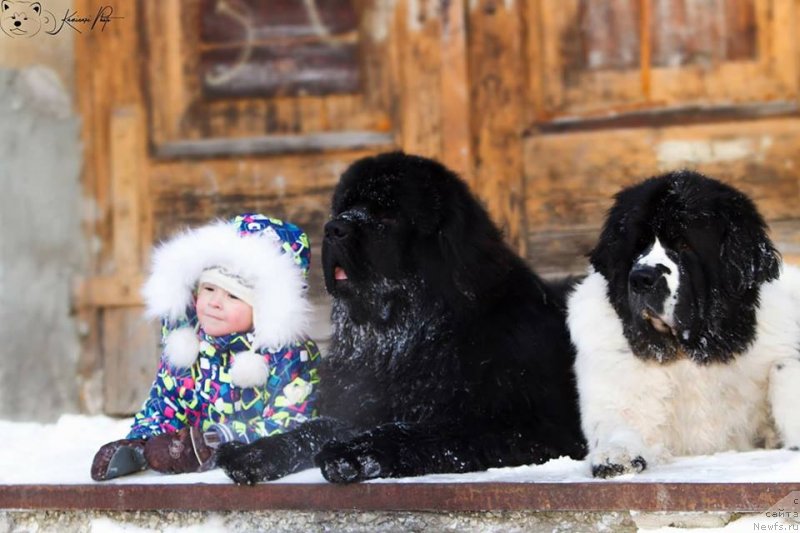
(682, 246)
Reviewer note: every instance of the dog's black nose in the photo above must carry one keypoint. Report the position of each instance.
(17, 23)
(643, 277)
(337, 229)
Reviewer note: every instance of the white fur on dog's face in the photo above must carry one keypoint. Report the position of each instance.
(656, 256)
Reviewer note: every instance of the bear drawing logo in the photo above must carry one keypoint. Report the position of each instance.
(22, 18)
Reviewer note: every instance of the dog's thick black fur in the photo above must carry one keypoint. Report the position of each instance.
(448, 354)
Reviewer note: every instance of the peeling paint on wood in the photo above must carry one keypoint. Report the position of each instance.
(670, 154)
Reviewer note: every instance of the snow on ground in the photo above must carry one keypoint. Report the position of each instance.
(62, 453)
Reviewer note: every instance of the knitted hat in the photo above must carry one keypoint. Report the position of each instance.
(230, 282)
(268, 255)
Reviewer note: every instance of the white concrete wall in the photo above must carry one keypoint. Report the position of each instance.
(41, 244)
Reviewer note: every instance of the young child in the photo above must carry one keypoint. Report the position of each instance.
(236, 365)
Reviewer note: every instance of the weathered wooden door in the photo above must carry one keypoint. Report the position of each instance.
(205, 108)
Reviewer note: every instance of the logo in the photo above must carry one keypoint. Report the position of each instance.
(23, 18)
(782, 516)
(19, 18)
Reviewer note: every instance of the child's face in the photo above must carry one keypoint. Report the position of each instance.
(221, 313)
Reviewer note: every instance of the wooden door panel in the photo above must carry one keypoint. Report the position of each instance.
(258, 72)
(589, 57)
(278, 48)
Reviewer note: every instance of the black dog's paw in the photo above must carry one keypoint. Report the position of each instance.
(609, 469)
(247, 464)
(236, 460)
(348, 462)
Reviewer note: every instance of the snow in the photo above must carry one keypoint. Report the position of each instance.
(61, 453)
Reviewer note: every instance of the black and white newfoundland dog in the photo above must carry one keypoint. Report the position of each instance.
(448, 353)
(687, 329)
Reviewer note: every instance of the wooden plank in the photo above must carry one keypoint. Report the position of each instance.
(621, 496)
(127, 169)
(107, 69)
(645, 47)
(570, 178)
(456, 152)
(280, 70)
(277, 176)
(129, 344)
(130, 357)
(556, 253)
(495, 52)
(535, 49)
(784, 44)
(274, 144)
(110, 291)
(420, 58)
(167, 93)
(89, 366)
(785, 234)
(672, 116)
(561, 252)
(222, 21)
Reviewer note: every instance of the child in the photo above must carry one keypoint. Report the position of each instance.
(235, 365)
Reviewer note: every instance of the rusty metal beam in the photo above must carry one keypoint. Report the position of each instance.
(599, 496)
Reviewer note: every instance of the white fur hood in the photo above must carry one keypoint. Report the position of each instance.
(270, 253)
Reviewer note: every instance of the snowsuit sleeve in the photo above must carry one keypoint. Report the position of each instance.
(290, 395)
(161, 412)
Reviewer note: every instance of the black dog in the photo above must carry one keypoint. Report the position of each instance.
(448, 353)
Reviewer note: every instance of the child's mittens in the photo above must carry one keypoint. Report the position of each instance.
(118, 458)
(180, 452)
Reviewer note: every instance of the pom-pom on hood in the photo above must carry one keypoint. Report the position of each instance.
(271, 254)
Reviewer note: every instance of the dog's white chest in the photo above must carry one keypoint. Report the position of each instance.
(706, 409)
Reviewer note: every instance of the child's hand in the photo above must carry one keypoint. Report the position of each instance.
(180, 452)
(118, 458)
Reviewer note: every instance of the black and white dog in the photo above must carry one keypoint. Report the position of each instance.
(687, 328)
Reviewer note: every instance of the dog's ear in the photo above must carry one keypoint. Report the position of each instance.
(5, 6)
(467, 255)
(747, 254)
(37, 7)
(624, 230)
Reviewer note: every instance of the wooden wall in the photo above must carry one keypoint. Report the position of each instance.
(207, 108)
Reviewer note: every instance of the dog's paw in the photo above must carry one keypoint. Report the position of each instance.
(247, 464)
(348, 462)
(613, 462)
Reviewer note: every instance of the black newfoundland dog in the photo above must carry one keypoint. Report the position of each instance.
(448, 354)
(687, 328)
